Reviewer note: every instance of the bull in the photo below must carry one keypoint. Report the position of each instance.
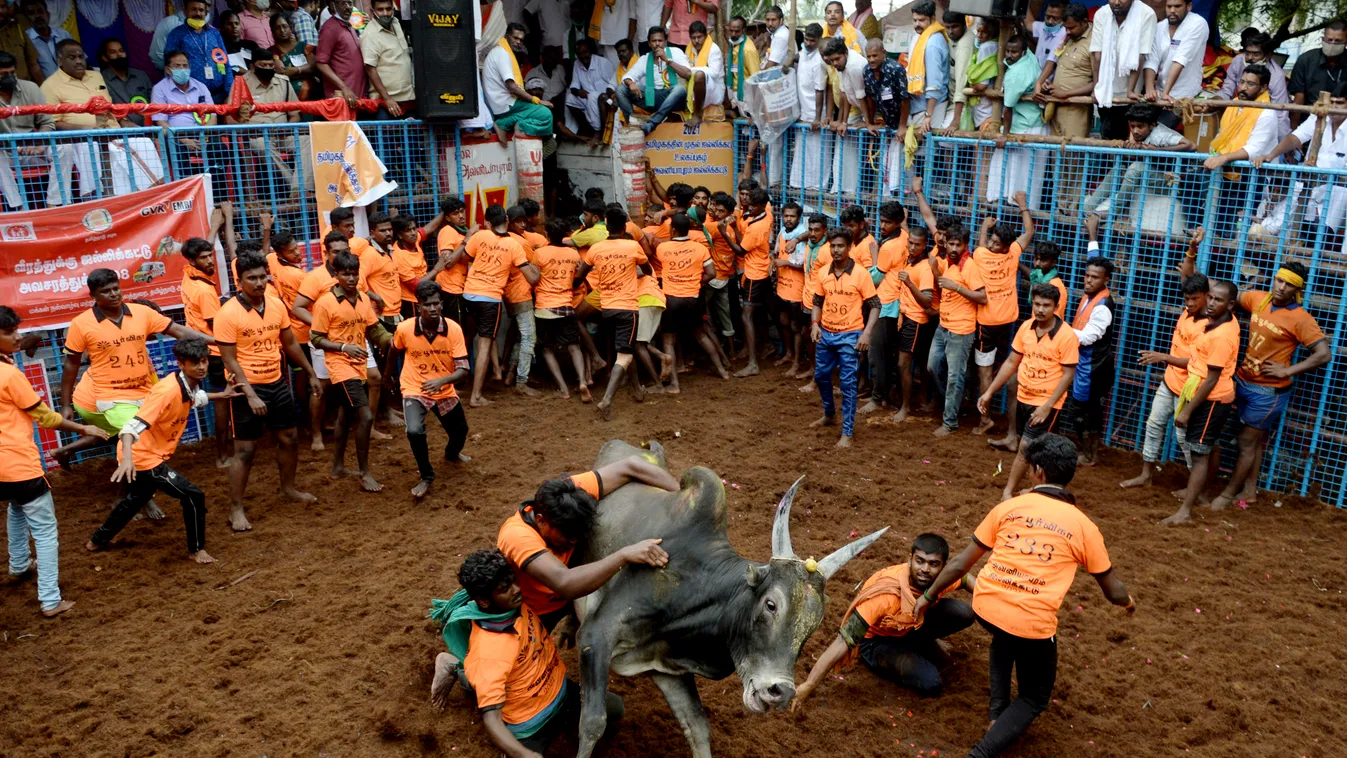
(709, 612)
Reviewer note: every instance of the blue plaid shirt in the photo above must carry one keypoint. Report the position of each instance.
(306, 31)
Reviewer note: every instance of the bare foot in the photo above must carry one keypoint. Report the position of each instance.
(420, 490)
(299, 497)
(201, 556)
(1182, 517)
(869, 407)
(984, 426)
(1248, 495)
(1006, 494)
(224, 462)
(91, 547)
(1221, 503)
(665, 371)
(395, 419)
(843, 442)
(672, 389)
(693, 121)
(526, 390)
(943, 431)
(825, 421)
(375, 434)
(317, 444)
(338, 472)
(900, 416)
(1009, 442)
(238, 521)
(605, 409)
(368, 484)
(59, 608)
(811, 387)
(150, 511)
(638, 393)
(462, 458)
(62, 459)
(586, 396)
(477, 401)
(446, 676)
(561, 394)
(1084, 460)
(1143, 480)
(595, 366)
(747, 371)
(655, 389)
(783, 360)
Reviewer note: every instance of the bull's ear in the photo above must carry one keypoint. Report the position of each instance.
(755, 574)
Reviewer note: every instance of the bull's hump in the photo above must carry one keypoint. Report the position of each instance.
(703, 494)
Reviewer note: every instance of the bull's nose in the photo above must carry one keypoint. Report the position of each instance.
(780, 692)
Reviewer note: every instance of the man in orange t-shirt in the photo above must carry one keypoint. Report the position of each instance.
(754, 246)
(253, 332)
(434, 356)
(1036, 541)
(722, 288)
(1208, 396)
(687, 266)
(879, 627)
(519, 302)
(200, 303)
(998, 258)
(450, 278)
(789, 262)
(888, 261)
(618, 262)
(344, 324)
(915, 282)
(149, 439)
(554, 307)
(1044, 355)
(962, 291)
(845, 312)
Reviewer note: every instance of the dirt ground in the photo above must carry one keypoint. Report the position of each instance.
(1236, 649)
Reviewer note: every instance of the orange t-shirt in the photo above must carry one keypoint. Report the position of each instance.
(271, 284)
(1063, 297)
(614, 262)
(682, 262)
(895, 610)
(256, 336)
(312, 285)
(1217, 346)
(823, 258)
(287, 279)
(861, 252)
(789, 281)
(200, 302)
(493, 257)
(165, 413)
(1043, 359)
(17, 449)
(924, 278)
(119, 364)
(517, 288)
(556, 269)
(757, 246)
(379, 274)
(521, 543)
(411, 265)
(1036, 542)
(451, 279)
(430, 356)
(892, 258)
(1273, 336)
(958, 314)
(648, 287)
(517, 671)
(1186, 331)
(344, 321)
(721, 253)
(1000, 275)
(844, 297)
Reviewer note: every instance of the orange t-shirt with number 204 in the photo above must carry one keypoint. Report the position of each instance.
(1036, 540)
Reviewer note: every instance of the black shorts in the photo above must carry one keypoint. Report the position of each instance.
(1206, 426)
(1027, 432)
(452, 307)
(215, 374)
(486, 315)
(755, 291)
(909, 333)
(683, 315)
(408, 309)
(308, 356)
(558, 332)
(353, 394)
(623, 324)
(995, 338)
(280, 402)
(1088, 415)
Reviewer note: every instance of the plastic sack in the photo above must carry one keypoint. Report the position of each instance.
(773, 102)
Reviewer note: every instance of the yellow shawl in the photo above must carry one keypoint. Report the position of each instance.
(623, 68)
(596, 19)
(916, 60)
(514, 62)
(700, 59)
(1236, 126)
(848, 35)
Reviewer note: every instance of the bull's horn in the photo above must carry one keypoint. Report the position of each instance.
(839, 557)
(781, 526)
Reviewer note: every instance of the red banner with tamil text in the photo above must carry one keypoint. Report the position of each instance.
(47, 255)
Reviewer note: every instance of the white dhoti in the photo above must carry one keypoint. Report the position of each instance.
(1018, 169)
(806, 162)
(35, 162)
(138, 169)
(1327, 205)
(715, 86)
(85, 156)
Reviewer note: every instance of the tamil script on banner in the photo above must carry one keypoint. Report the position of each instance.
(46, 255)
(697, 155)
(346, 171)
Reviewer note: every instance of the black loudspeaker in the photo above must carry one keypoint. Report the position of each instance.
(446, 59)
(991, 8)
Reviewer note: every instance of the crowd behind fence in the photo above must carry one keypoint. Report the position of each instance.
(1150, 200)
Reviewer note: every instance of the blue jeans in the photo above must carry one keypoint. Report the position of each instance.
(666, 101)
(37, 517)
(949, 355)
(837, 349)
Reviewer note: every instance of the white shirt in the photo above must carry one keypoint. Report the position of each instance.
(636, 74)
(1047, 44)
(514, 10)
(780, 45)
(553, 86)
(1145, 42)
(616, 21)
(496, 70)
(1185, 48)
(554, 16)
(853, 77)
(1264, 135)
(715, 62)
(811, 80)
(648, 13)
(1333, 148)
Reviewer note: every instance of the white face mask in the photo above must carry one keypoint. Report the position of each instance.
(264, 5)
(1334, 49)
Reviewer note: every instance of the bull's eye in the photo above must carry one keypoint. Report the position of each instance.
(771, 606)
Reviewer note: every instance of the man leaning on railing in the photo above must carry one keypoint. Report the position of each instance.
(15, 92)
(74, 84)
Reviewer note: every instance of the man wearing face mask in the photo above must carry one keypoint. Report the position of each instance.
(388, 62)
(125, 84)
(339, 59)
(208, 62)
(1050, 33)
(268, 85)
(256, 20)
(15, 92)
(1320, 70)
(179, 87)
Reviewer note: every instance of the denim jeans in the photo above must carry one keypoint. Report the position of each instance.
(1162, 415)
(948, 365)
(37, 517)
(528, 338)
(837, 349)
(666, 101)
(1129, 188)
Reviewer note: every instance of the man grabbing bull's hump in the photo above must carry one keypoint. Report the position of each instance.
(882, 631)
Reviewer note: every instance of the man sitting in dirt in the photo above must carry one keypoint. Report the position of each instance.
(509, 659)
(881, 630)
(540, 537)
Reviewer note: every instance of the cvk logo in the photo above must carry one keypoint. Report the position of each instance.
(154, 210)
